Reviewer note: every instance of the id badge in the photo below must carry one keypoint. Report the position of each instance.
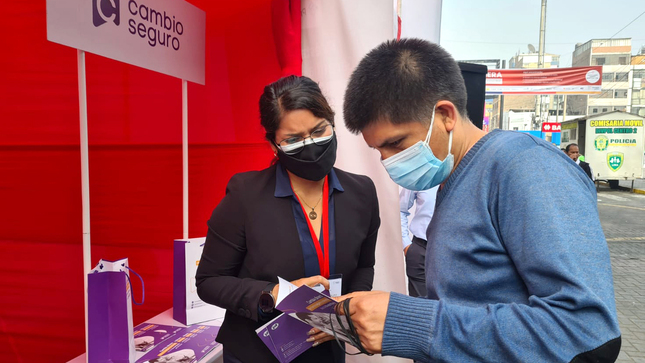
(335, 285)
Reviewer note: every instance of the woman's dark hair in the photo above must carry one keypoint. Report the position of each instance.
(289, 94)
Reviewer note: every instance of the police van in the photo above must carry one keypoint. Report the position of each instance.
(613, 143)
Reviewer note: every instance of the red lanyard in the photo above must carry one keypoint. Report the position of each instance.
(323, 257)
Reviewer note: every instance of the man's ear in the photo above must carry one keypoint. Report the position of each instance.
(447, 113)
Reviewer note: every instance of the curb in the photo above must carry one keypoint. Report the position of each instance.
(620, 187)
(627, 189)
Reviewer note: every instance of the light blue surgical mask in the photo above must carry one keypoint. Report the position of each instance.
(416, 168)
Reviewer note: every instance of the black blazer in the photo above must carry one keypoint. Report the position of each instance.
(586, 168)
(252, 239)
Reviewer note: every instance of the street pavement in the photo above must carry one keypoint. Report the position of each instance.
(638, 183)
(622, 215)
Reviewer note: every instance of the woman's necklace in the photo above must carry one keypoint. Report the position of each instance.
(312, 215)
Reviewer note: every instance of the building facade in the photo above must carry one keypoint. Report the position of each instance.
(521, 112)
(531, 60)
(622, 78)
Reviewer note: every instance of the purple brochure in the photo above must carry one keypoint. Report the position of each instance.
(326, 322)
(188, 346)
(286, 337)
(265, 335)
(303, 308)
(306, 299)
(314, 309)
(147, 335)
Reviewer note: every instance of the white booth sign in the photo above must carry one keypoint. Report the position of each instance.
(166, 36)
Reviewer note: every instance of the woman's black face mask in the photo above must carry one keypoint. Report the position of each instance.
(313, 162)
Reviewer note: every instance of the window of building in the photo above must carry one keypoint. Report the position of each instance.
(638, 97)
(598, 109)
(573, 134)
(639, 73)
(565, 136)
(622, 61)
(620, 93)
(608, 77)
(622, 76)
(600, 61)
(640, 111)
(514, 128)
(607, 93)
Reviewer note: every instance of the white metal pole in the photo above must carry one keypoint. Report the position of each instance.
(85, 178)
(541, 57)
(184, 150)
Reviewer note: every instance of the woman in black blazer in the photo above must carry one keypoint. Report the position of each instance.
(267, 223)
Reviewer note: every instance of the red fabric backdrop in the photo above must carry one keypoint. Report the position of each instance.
(135, 163)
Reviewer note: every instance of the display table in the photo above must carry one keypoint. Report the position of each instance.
(165, 318)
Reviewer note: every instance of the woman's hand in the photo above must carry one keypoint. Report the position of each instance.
(312, 281)
(309, 281)
(318, 337)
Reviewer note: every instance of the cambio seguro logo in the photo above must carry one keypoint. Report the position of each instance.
(104, 10)
(156, 26)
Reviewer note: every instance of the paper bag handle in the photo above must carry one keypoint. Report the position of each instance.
(143, 289)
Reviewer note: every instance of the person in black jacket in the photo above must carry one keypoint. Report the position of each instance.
(574, 153)
(300, 219)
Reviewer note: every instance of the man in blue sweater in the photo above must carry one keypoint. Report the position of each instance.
(510, 276)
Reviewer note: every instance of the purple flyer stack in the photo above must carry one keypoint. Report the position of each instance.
(186, 346)
(148, 335)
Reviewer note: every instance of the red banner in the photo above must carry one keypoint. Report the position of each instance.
(551, 127)
(573, 81)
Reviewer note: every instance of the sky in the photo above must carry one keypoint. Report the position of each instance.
(499, 29)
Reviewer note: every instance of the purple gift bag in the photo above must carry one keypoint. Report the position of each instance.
(188, 308)
(110, 330)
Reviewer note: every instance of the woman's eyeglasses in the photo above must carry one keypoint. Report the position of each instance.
(319, 136)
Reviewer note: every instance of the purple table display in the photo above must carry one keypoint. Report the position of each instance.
(148, 335)
(187, 346)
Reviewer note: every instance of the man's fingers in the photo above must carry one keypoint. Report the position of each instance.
(353, 294)
(344, 297)
(340, 307)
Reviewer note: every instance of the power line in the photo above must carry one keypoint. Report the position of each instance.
(476, 42)
(517, 43)
(630, 23)
(620, 70)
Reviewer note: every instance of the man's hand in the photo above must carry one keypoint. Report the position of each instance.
(368, 310)
(405, 250)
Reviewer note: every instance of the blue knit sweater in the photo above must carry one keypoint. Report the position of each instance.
(517, 265)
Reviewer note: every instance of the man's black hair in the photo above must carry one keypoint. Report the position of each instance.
(401, 81)
(569, 147)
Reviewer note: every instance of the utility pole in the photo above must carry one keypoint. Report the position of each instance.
(541, 49)
(502, 124)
